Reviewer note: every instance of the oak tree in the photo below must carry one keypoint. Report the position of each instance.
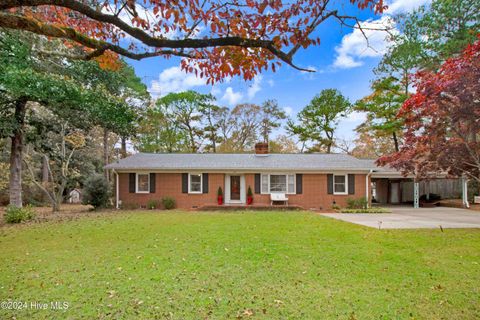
(215, 39)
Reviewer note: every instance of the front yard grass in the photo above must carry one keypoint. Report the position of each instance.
(258, 265)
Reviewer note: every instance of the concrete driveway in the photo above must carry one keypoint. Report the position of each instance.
(410, 218)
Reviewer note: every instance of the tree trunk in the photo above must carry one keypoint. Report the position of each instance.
(16, 154)
(123, 149)
(45, 176)
(45, 171)
(395, 141)
(105, 153)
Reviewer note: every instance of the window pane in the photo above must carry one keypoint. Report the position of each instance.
(339, 184)
(143, 183)
(264, 183)
(339, 187)
(339, 179)
(195, 183)
(291, 183)
(278, 183)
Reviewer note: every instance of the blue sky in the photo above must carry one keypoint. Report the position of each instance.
(343, 61)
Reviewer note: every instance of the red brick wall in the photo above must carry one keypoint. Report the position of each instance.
(170, 184)
(314, 193)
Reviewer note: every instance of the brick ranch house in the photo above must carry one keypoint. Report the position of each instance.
(311, 181)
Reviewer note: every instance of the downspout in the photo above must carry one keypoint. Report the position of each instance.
(117, 196)
(367, 184)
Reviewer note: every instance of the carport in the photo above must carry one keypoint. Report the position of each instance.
(391, 187)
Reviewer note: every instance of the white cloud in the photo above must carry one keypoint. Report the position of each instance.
(255, 87)
(232, 97)
(401, 6)
(354, 46)
(288, 111)
(215, 90)
(271, 83)
(312, 75)
(174, 80)
(356, 117)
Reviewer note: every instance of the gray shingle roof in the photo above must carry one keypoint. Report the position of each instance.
(371, 163)
(210, 161)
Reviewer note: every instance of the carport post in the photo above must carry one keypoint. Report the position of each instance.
(416, 192)
(465, 192)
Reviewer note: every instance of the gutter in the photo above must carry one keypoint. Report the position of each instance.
(117, 196)
(367, 187)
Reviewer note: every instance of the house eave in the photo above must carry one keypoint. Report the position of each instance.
(241, 170)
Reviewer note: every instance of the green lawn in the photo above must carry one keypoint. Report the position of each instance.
(248, 265)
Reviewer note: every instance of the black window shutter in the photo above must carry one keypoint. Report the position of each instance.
(351, 184)
(131, 182)
(184, 182)
(299, 182)
(257, 183)
(330, 183)
(152, 182)
(205, 183)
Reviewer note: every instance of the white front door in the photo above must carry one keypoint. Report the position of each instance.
(234, 188)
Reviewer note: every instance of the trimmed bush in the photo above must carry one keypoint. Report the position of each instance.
(360, 203)
(96, 192)
(17, 215)
(369, 210)
(153, 204)
(168, 203)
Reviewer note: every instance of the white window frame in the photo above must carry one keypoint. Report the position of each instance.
(136, 182)
(346, 184)
(189, 183)
(267, 176)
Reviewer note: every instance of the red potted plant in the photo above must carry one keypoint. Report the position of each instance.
(249, 196)
(220, 196)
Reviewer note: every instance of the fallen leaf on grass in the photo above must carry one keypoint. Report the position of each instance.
(248, 312)
(438, 287)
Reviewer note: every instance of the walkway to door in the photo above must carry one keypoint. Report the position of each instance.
(410, 218)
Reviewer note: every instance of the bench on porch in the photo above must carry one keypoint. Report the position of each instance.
(280, 197)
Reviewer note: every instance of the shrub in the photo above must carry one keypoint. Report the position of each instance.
(168, 203)
(219, 191)
(335, 207)
(96, 191)
(370, 210)
(16, 215)
(249, 192)
(153, 204)
(360, 203)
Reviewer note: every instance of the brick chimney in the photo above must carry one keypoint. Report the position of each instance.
(261, 148)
